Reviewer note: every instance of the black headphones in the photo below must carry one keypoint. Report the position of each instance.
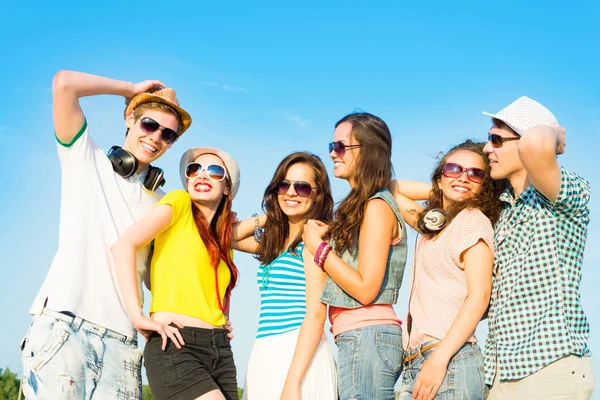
(434, 220)
(125, 164)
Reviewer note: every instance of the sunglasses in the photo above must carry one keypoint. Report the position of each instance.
(302, 188)
(148, 125)
(452, 170)
(498, 141)
(215, 172)
(340, 148)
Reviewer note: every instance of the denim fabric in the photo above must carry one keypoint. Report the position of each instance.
(67, 357)
(333, 295)
(369, 362)
(465, 378)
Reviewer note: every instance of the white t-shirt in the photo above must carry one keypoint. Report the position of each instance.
(97, 205)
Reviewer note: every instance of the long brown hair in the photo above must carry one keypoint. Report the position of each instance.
(486, 200)
(277, 229)
(217, 237)
(373, 172)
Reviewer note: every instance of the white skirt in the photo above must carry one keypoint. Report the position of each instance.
(270, 361)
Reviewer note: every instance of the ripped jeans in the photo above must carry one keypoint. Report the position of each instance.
(68, 357)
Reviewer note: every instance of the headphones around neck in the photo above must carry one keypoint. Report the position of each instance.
(435, 220)
(125, 165)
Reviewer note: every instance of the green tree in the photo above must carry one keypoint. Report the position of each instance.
(147, 393)
(9, 385)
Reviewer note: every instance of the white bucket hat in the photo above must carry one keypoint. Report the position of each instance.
(233, 170)
(523, 114)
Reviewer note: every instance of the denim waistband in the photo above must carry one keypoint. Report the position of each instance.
(422, 348)
(76, 323)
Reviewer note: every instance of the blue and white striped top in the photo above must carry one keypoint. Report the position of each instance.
(282, 286)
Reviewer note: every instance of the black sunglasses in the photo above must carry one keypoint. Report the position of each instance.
(453, 170)
(149, 125)
(498, 141)
(340, 148)
(302, 188)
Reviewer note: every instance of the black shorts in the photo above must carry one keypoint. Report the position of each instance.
(204, 364)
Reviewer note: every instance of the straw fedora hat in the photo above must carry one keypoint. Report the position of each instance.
(165, 96)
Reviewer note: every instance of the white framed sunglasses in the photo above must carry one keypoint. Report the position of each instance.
(215, 172)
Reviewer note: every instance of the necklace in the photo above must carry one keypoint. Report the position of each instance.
(266, 274)
(222, 307)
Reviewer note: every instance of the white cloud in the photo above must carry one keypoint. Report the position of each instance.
(229, 88)
(215, 84)
(234, 89)
(297, 120)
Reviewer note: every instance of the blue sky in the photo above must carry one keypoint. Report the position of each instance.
(264, 79)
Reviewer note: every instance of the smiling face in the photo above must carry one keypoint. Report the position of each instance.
(205, 190)
(504, 161)
(292, 205)
(344, 166)
(460, 188)
(147, 147)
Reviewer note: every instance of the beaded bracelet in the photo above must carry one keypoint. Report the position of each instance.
(326, 251)
(258, 230)
(319, 251)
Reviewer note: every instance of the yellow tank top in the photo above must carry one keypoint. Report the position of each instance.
(182, 277)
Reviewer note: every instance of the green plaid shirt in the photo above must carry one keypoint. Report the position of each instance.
(535, 314)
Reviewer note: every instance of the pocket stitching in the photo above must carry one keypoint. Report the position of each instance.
(379, 339)
(49, 349)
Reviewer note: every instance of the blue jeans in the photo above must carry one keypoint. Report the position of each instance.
(369, 362)
(465, 378)
(68, 357)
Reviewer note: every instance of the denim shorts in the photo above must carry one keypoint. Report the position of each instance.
(203, 364)
(369, 362)
(465, 378)
(67, 357)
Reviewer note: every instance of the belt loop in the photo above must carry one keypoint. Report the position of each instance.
(76, 323)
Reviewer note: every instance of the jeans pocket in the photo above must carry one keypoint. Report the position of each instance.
(346, 365)
(485, 391)
(389, 347)
(56, 339)
(466, 375)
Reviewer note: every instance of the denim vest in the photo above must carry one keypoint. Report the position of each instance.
(333, 295)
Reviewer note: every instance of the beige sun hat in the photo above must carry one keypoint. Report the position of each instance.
(233, 170)
(165, 96)
(523, 114)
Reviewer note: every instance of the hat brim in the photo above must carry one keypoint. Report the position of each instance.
(186, 119)
(501, 119)
(233, 170)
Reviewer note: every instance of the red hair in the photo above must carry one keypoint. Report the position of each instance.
(217, 239)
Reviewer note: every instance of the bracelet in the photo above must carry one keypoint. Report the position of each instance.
(326, 251)
(319, 251)
(321, 254)
(258, 230)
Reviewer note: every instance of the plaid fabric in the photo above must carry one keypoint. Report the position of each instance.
(535, 314)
